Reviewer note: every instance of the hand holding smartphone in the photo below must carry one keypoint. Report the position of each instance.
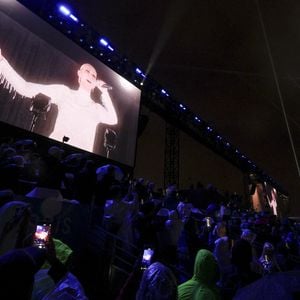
(147, 258)
(42, 235)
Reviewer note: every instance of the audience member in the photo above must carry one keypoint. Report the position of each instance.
(158, 282)
(202, 286)
(222, 251)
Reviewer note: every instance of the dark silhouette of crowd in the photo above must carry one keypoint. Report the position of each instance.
(206, 244)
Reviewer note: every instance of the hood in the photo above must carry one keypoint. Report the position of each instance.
(205, 267)
(158, 282)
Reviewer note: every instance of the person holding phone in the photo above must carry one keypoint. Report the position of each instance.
(19, 267)
(78, 114)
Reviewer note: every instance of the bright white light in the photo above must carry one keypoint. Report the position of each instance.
(182, 106)
(64, 10)
(73, 18)
(138, 71)
(164, 92)
(103, 42)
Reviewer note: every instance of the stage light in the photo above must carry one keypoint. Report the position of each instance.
(64, 10)
(228, 144)
(219, 137)
(73, 18)
(209, 129)
(197, 119)
(182, 106)
(138, 71)
(103, 42)
(164, 92)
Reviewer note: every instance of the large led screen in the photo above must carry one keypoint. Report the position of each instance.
(52, 87)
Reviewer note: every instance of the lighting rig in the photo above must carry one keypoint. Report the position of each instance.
(154, 96)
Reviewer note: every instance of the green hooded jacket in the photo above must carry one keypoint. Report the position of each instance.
(202, 286)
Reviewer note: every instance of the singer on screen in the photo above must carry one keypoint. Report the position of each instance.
(78, 114)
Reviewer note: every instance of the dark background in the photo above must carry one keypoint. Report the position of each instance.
(212, 55)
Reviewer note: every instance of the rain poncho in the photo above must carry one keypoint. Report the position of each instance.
(158, 282)
(68, 287)
(14, 220)
(202, 286)
(17, 269)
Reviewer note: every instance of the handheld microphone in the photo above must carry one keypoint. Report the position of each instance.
(107, 86)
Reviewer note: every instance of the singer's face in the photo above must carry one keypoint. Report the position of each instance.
(87, 77)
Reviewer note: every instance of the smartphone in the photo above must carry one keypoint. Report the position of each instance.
(147, 258)
(209, 222)
(41, 235)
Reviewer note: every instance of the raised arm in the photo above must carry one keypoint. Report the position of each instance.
(106, 111)
(15, 83)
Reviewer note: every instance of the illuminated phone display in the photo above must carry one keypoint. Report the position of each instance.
(41, 235)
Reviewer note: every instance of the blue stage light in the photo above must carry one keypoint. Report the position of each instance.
(67, 12)
(197, 119)
(139, 71)
(73, 18)
(64, 10)
(164, 92)
(182, 106)
(103, 42)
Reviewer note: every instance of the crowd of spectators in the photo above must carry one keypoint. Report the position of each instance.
(207, 244)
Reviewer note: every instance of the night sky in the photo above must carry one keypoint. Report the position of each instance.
(213, 56)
